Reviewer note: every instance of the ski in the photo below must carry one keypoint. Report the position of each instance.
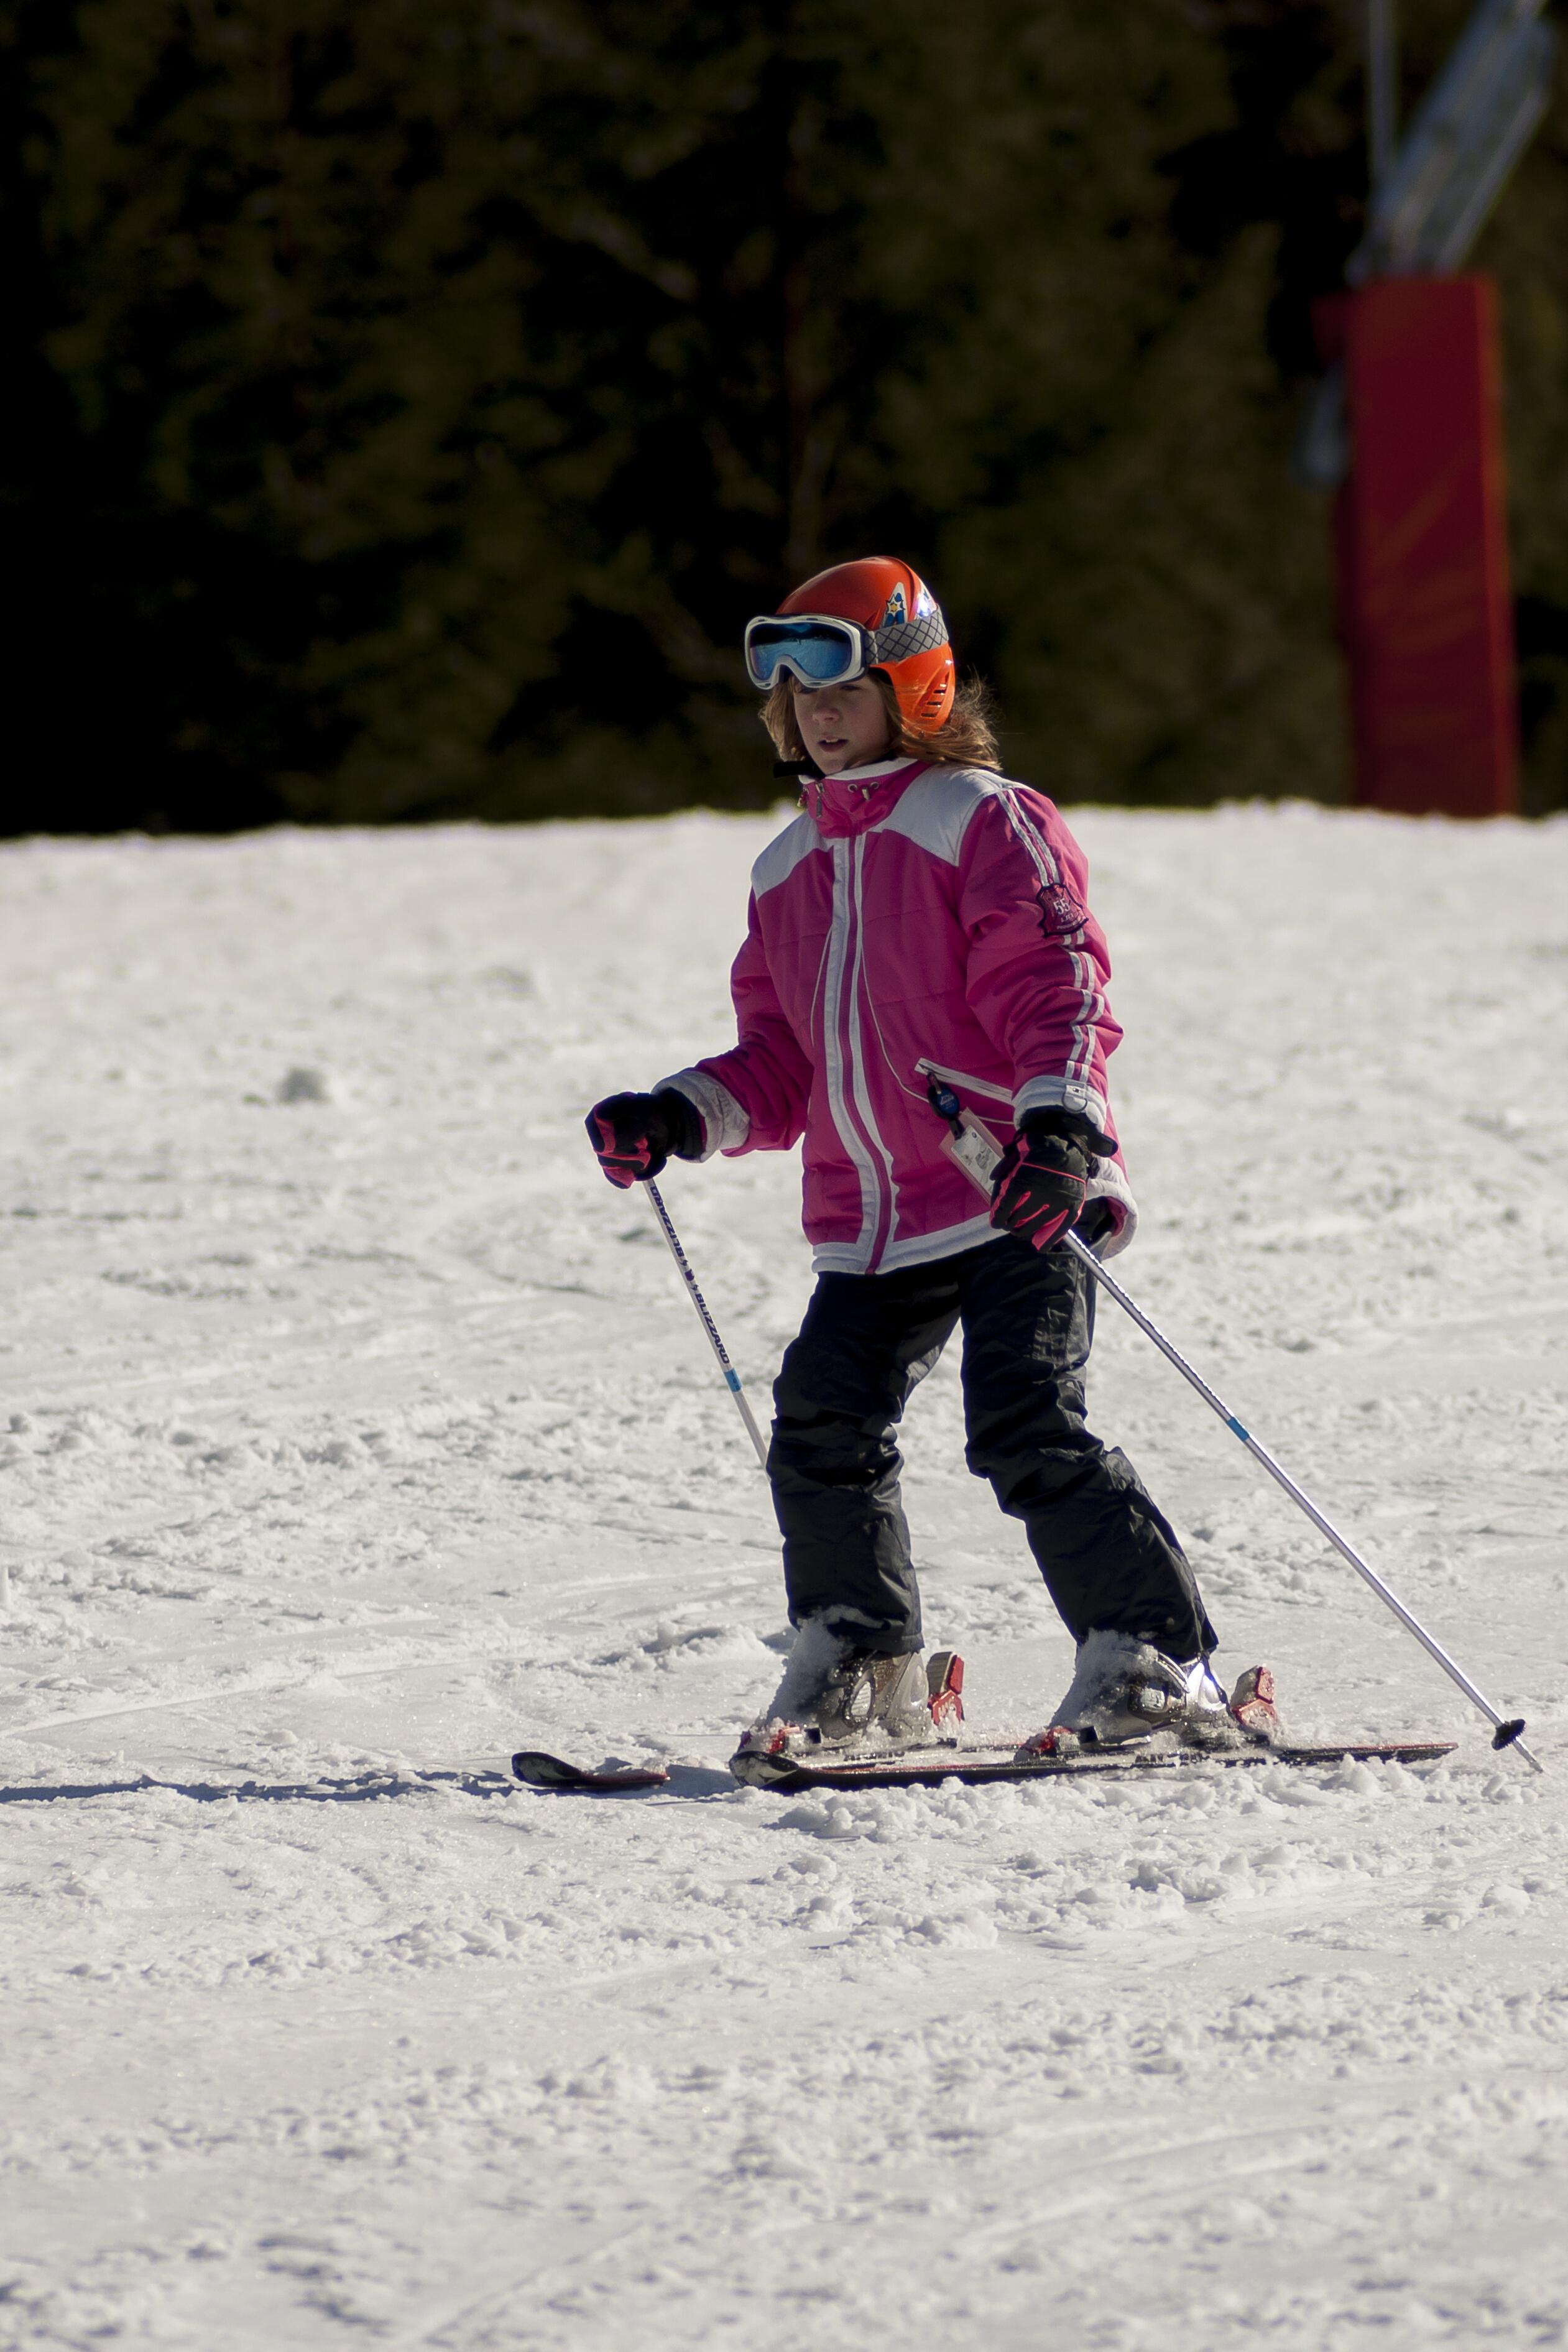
(979, 1769)
(536, 1770)
(973, 1768)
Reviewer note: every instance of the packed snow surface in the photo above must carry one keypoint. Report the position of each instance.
(358, 1432)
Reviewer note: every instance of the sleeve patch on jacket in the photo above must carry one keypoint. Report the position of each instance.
(1059, 910)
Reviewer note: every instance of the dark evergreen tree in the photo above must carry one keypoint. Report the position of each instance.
(414, 404)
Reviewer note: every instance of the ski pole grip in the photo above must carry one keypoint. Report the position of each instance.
(1507, 1733)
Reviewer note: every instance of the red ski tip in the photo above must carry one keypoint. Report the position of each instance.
(944, 1684)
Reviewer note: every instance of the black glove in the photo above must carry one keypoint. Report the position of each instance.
(1042, 1178)
(634, 1135)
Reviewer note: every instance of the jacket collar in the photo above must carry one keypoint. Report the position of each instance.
(859, 798)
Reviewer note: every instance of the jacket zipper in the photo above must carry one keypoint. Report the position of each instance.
(882, 1233)
(835, 1032)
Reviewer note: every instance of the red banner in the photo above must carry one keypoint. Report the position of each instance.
(1425, 606)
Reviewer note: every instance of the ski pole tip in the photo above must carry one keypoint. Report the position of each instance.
(1507, 1735)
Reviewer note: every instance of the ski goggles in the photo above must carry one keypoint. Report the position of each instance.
(819, 649)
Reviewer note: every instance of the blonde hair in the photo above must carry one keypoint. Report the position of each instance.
(964, 738)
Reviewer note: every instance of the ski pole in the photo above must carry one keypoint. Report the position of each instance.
(732, 1376)
(977, 1154)
(1506, 1731)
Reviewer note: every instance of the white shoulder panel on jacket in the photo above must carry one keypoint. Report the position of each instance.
(784, 853)
(936, 810)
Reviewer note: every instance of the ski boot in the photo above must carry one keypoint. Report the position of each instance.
(1125, 1690)
(836, 1698)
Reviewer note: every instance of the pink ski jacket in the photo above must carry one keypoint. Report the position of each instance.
(914, 918)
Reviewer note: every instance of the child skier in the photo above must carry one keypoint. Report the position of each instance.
(922, 923)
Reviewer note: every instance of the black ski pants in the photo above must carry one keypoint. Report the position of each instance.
(1108, 1555)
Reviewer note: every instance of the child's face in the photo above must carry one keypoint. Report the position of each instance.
(842, 726)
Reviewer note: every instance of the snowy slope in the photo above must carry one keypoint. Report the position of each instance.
(356, 1427)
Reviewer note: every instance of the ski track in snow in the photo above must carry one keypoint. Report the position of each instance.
(353, 1428)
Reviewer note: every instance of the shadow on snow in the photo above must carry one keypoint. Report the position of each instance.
(685, 1781)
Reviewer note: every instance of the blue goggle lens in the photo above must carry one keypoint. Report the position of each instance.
(825, 655)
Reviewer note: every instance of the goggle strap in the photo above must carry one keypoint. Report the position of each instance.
(904, 639)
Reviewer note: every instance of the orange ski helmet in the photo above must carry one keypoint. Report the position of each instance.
(877, 613)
